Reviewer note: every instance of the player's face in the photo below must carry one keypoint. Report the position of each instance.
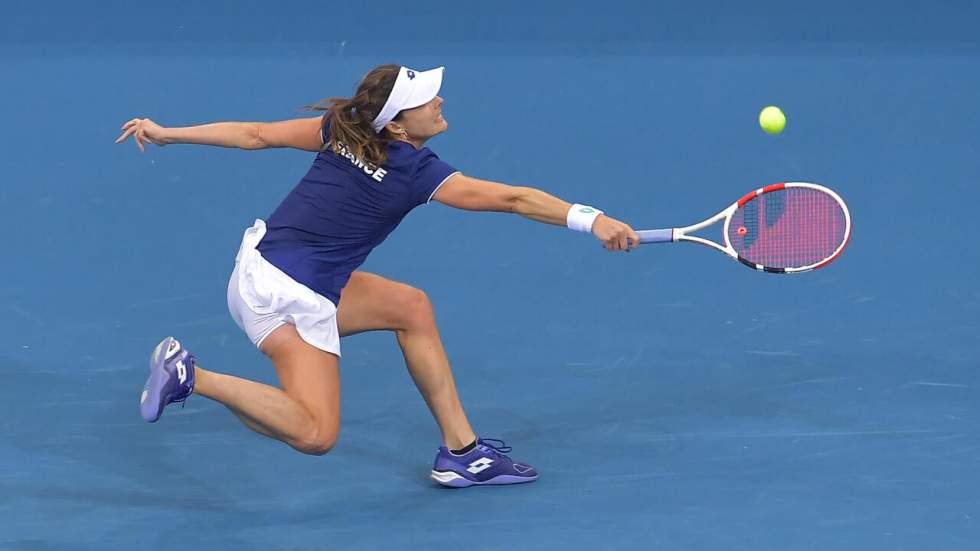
(424, 121)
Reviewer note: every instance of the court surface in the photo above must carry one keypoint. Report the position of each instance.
(671, 398)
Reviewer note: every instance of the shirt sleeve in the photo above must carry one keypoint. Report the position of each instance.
(431, 173)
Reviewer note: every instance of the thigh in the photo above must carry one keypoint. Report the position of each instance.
(256, 326)
(370, 302)
(307, 374)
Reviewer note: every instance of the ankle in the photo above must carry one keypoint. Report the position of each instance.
(460, 442)
(202, 381)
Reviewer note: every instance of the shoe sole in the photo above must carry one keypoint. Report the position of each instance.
(151, 400)
(453, 480)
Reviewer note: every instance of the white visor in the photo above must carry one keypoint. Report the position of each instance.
(412, 88)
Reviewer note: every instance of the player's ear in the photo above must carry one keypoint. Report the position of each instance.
(395, 128)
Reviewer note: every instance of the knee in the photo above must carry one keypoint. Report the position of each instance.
(319, 441)
(416, 310)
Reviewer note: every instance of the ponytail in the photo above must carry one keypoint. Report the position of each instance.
(351, 119)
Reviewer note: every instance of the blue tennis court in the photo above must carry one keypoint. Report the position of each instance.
(670, 398)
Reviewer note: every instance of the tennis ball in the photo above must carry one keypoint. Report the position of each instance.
(772, 120)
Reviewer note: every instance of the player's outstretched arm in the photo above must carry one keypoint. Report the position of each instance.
(465, 192)
(296, 133)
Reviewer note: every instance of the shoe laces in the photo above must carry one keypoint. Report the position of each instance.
(499, 447)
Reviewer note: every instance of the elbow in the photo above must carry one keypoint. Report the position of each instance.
(252, 138)
(515, 200)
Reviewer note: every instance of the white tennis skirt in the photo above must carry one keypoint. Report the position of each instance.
(262, 297)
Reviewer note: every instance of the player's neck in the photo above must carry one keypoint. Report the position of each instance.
(417, 143)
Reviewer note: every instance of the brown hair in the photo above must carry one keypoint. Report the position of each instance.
(350, 119)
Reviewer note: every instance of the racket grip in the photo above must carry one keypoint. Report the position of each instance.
(656, 236)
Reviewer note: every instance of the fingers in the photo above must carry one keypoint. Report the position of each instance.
(125, 134)
(128, 129)
(616, 243)
(615, 235)
(141, 137)
(134, 128)
(623, 239)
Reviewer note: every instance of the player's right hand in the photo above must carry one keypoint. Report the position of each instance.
(143, 131)
(615, 235)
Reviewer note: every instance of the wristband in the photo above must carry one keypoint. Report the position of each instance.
(581, 217)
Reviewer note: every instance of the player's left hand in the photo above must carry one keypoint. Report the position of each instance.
(615, 235)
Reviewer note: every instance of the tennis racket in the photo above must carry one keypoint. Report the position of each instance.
(780, 229)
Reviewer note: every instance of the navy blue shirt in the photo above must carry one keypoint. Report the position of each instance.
(342, 209)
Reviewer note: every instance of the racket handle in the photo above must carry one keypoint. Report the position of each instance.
(656, 236)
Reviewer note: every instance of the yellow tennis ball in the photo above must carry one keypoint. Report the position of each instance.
(772, 120)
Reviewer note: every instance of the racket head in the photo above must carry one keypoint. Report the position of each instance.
(788, 228)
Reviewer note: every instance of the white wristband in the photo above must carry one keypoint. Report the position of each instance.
(581, 217)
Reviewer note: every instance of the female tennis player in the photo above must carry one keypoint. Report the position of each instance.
(295, 289)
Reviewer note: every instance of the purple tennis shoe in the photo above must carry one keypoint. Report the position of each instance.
(171, 379)
(483, 465)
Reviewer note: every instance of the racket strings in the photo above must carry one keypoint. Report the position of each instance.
(788, 228)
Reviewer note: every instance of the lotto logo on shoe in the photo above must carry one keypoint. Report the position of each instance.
(181, 371)
(480, 465)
